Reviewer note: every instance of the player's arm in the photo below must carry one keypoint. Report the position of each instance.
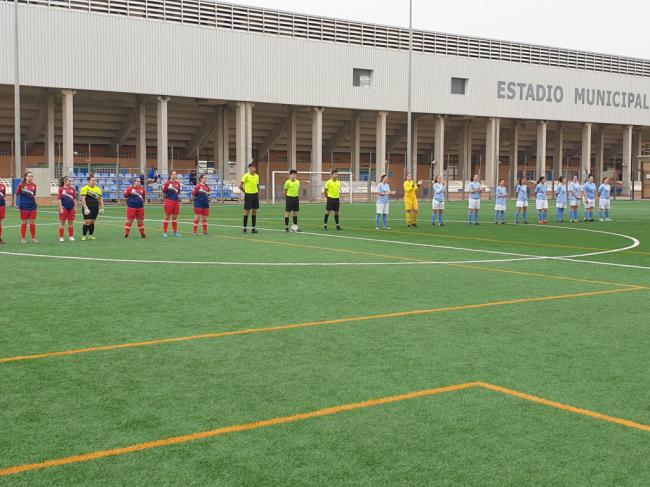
(17, 194)
(241, 185)
(60, 198)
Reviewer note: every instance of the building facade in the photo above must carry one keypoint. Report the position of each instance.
(169, 82)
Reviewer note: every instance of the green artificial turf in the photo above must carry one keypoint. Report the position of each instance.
(591, 352)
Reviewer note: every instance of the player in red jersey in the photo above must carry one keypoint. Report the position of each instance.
(135, 196)
(201, 196)
(3, 208)
(26, 193)
(171, 192)
(67, 203)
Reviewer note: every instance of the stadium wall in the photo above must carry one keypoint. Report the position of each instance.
(90, 51)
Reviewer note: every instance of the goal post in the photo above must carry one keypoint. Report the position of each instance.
(312, 184)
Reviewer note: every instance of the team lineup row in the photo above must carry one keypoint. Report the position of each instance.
(92, 203)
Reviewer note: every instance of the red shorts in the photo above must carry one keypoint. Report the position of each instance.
(135, 213)
(28, 214)
(67, 215)
(3, 212)
(202, 211)
(172, 207)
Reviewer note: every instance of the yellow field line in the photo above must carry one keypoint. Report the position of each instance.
(545, 276)
(565, 407)
(176, 440)
(312, 324)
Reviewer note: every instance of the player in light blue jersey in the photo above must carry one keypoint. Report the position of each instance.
(383, 202)
(604, 193)
(575, 194)
(560, 200)
(501, 194)
(438, 200)
(589, 196)
(522, 199)
(541, 201)
(475, 190)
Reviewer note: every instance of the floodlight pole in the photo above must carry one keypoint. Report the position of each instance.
(17, 148)
(409, 149)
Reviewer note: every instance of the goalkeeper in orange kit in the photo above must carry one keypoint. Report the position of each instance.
(411, 200)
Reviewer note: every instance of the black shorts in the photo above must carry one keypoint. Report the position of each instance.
(333, 204)
(251, 201)
(94, 212)
(292, 204)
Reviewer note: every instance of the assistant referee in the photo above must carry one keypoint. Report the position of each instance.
(92, 201)
(250, 185)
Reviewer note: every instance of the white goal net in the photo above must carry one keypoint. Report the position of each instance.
(311, 185)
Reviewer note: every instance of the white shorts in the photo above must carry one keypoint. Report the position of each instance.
(605, 204)
(522, 204)
(474, 204)
(499, 207)
(541, 204)
(590, 204)
(560, 205)
(382, 208)
(574, 202)
(438, 205)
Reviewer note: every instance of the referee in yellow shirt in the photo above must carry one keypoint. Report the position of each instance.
(292, 198)
(250, 185)
(411, 200)
(333, 193)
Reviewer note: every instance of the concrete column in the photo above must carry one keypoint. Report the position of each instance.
(249, 132)
(292, 139)
(540, 169)
(491, 152)
(637, 149)
(558, 153)
(162, 140)
(49, 136)
(141, 136)
(627, 159)
(514, 157)
(68, 131)
(226, 137)
(380, 163)
(585, 164)
(217, 137)
(466, 151)
(316, 150)
(415, 134)
(439, 155)
(240, 137)
(355, 145)
(600, 154)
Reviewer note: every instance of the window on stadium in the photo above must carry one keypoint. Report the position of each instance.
(362, 78)
(459, 86)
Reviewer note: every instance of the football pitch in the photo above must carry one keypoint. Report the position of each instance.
(464, 355)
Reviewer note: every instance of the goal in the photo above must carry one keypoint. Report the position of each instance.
(311, 185)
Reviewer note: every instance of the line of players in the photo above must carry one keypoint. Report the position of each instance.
(565, 196)
(92, 203)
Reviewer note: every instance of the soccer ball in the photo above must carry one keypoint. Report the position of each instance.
(294, 228)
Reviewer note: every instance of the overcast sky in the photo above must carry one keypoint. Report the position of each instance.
(608, 26)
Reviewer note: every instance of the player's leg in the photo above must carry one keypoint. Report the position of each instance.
(63, 217)
(295, 217)
(246, 213)
(254, 220)
(71, 218)
(130, 216)
(286, 221)
(32, 226)
(140, 218)
(2, 217)
(167, 207)
(206, 215)
(23, 226)
(337, 219)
